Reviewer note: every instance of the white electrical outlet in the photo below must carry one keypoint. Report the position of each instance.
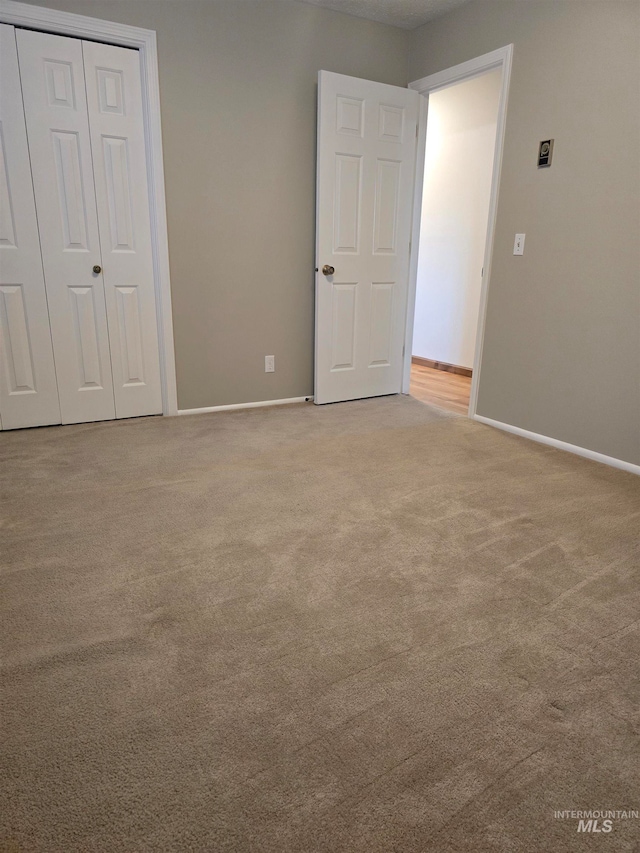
(518, 246)
(269, 364)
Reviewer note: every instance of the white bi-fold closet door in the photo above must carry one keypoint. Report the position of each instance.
(78, 316)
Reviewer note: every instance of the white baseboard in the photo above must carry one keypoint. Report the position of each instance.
(257, 405)
(562, 445)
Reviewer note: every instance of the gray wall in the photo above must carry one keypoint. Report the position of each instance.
(562, 343)
(238, 85)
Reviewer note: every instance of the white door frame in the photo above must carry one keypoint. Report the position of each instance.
(80, 26)
(500, 58)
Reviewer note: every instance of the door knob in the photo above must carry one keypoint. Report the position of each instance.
(97, 269)
(327, 269)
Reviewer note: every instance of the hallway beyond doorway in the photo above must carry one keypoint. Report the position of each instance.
(449, 391)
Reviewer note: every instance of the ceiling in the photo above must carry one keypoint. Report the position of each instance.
(407, 14)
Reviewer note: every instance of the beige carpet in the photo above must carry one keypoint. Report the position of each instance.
(364, 627)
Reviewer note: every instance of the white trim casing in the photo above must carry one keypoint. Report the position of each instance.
(414, 246)
(69, 24)
(501, 58)
(561, 445)
(233, 406)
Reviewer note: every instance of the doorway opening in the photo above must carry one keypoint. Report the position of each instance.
(458, 167)
(457, 179)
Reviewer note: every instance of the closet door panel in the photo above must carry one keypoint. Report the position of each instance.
(114, 98)
(52, 73)
(28, 391)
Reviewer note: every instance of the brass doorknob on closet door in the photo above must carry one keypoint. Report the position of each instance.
(327, 269)
(97, 269)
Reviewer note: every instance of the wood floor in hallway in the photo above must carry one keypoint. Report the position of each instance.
(440, 388)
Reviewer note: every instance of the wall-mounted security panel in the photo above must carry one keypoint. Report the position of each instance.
(545, 152)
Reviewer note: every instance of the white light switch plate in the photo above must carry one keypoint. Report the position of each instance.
(518, 246)
(269, 364)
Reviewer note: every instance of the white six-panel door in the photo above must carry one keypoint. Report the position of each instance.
(114, 99)
(28, 391)
(366, 163)
(53, 86)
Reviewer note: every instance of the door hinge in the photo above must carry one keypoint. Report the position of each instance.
(404, 346)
